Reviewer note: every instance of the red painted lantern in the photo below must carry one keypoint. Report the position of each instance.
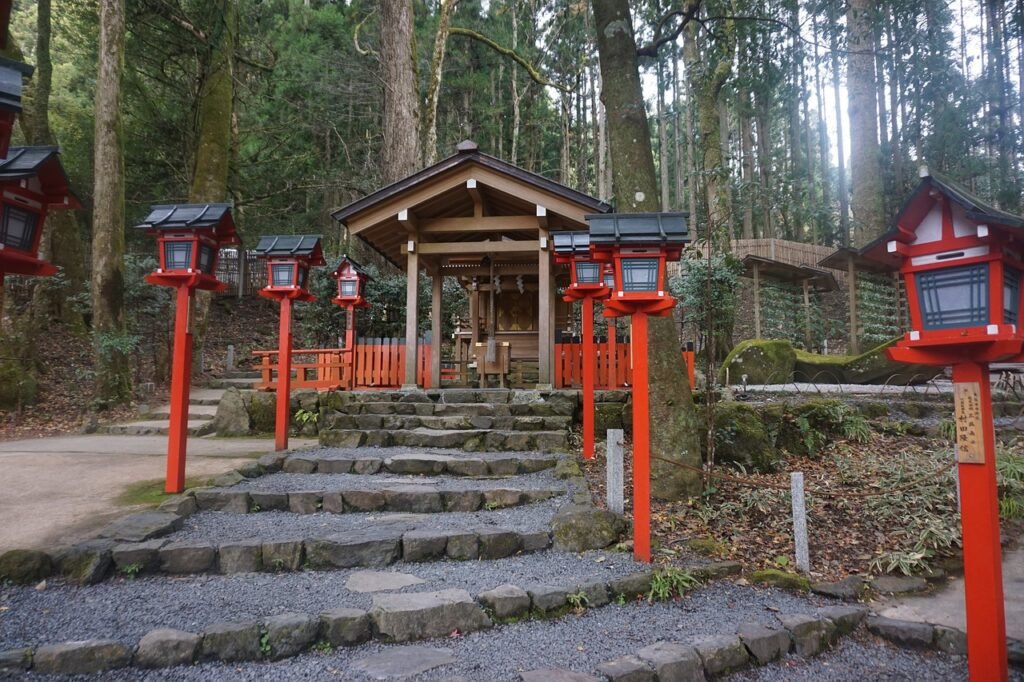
(352, 281)
(586, 273)
(289, 258)
(638, 245)
(11, 75)
(961, 262)
(32, 181)
(189, 239)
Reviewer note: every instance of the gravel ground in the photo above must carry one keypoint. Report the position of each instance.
(283, 483)
(576, 642)
(127, 609)
(367, 452)
(223, 527)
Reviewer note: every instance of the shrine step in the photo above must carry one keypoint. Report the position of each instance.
(196, 427)
(394, 422)
(197, 412)
(470, 440)
(242, 382)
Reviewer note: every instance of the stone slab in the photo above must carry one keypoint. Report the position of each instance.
(81, 657)
(556, 675)
(166, 647)
(673, 662)
(422, 615)
(380, 581)
(402, 662)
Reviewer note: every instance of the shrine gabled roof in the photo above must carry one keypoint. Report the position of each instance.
(787, 272)
(42, 163)
(917, 205)
(571, 243)
(639, 228)
(468, 153)
(305, 246)
(356, 267)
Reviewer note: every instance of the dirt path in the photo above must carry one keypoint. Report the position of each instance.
(57, 490)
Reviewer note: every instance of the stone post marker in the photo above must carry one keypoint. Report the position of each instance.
(615, 478)
(231, 358)
(796, 491)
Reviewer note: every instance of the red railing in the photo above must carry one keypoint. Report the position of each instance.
(613, 367)
(373, 363)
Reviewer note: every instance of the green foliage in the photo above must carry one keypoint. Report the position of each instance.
(303, 416)
(265, 647)
(131, 571)
(577, 601)
(783, 579)
(1010, 474)
(671, 582)
(876, 307)
(322, 647)
(818, 421)
(707, 290)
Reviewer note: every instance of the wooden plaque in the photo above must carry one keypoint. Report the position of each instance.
(970, 439)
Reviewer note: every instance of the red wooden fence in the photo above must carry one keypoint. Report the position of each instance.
(613, 370)
(373, 363)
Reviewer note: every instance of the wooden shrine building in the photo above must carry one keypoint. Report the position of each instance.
(488, 224)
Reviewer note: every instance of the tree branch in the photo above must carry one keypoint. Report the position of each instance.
(530, 69)
(257, 65)
(660, 38)
(366, 52)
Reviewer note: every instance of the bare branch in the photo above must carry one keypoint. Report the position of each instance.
(660, 37)
(366, 52)
(530, 69)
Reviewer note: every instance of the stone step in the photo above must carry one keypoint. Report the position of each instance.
(242, 374)
(416, 499)
(205, 396)
(469, 440)
(484, 464)
(394, 422)
(197, 412)
(232, 383)
(196, 427)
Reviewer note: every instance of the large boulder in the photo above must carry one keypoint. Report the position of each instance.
(743, 437)
(232, 415)
(25, 566)
(870, 367)
(262, 411)
(763, 361)
(577, 528)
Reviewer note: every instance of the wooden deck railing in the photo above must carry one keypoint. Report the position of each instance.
(613, 366)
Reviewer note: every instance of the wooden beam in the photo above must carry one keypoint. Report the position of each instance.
(408, 220)
(481, 247)
(460, 271)
(478, 224)
(542, 217)
(545, 338)
(412, 275)
(474, 320)
(479, 207)
(437, 283)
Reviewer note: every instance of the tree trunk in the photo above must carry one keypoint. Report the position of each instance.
(436, 74)
(62, 239)
(113, 376)
(213, 148)
(662, 140)
(400, 155)
(747, 163)
(865, 156)
(824, 223)
(841, 191)
(632, 160)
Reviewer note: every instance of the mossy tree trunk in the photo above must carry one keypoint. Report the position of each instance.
(62, 240)
(866, 202)
(436, 74)
(401, 154)
(113, 377)
(674, 433)
(213, 144)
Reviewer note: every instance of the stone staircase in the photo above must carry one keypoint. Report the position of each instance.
(341, 560)
(470, 420)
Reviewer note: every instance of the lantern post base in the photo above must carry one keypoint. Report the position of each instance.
(979, 518)
(181, 383)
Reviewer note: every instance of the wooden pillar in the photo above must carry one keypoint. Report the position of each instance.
(474, 320)
(851, 280)
(412, 271)
(807, 314)
(545, 339)
(757, 301)
(437, 283)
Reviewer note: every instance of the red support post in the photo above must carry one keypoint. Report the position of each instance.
(641, 442)
(350, 344)
(979, 518)
(613, 357)
(284, 376)
(589, 367)
(181, 381)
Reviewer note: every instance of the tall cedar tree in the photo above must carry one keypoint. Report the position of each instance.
(866, 202)
(113, 379)
(675, 433)
(401, 151)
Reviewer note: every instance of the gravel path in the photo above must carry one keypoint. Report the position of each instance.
(369, 452)
(221, 527)
(577, 642)
(284, 483)
(127, 609)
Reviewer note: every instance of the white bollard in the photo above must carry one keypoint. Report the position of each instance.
(796, 491)
(615, 479)
(231, 358)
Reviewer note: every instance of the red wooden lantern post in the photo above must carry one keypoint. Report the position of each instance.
(352, 281)
(638, 245)
(962, 264)
(586, 285)
(289, 258)
(189, 239)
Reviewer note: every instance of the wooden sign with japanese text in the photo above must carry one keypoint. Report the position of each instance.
(969, 437)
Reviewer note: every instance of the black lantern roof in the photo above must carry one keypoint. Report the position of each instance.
(356, 267)
(625, 229)
(11, 75)
(171, 217)
(571, 243)
(42, 163)
(305, 246)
